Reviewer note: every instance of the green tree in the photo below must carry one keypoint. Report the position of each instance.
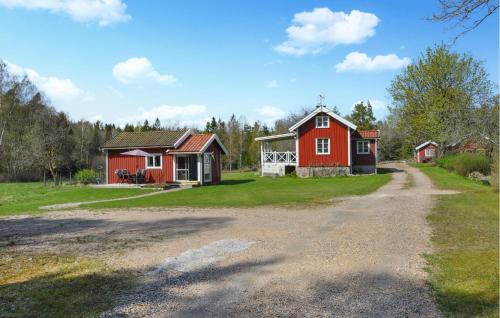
(157, 124)
(362, 116)
(435, 97)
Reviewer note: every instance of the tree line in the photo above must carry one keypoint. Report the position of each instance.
(443, 96)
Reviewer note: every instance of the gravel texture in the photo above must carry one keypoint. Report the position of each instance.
(360, 256)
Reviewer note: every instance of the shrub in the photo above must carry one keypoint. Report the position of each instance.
(86, 176)
(465, 163)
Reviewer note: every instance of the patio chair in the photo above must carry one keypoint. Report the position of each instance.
(141, 176)
(119, 174)
(126, 175)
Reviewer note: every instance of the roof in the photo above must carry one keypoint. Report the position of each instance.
(366, 134)
(198, 143)
(147, 139)
(325, 110)
(429, 142)
(276, 137)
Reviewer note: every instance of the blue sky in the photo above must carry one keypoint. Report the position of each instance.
(125, 61)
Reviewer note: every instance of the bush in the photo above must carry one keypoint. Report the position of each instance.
(465, 163)
(86, 176)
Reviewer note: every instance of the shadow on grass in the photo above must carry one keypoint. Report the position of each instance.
(95, 235)
(236, 182)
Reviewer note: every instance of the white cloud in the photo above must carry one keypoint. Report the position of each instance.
(320, 29)
(269, 114)
(168, 113)
(57, 89)
(104, 12)
(95, 118)
(356, 61)
(272, 84)
(140, 68)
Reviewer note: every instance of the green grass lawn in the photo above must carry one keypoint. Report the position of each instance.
(47, 285)
(464, 266)
(23, 198)
(249, 189)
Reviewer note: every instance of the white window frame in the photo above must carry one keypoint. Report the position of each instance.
(430, 152)
(322, 153)
(207, 172)
(153, 155)
(320, 120)
(359, 142)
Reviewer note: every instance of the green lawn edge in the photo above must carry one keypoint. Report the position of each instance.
(248, 189)
(463, 268)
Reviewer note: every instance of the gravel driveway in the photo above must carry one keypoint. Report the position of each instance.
(360, 256)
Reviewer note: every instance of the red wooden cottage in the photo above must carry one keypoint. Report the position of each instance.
(172, 156)
(325, 145)
(426, 151)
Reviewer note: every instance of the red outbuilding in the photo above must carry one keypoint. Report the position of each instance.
(426, 152)
(325, 144)
(164, 157)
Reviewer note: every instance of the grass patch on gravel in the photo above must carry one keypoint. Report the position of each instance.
(47, 285)
(248, 189)
(464, 267)
(26, 198)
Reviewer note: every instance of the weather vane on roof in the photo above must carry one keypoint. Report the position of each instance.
(321, 101)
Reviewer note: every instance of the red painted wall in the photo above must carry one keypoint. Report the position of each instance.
(363, 159)
(118, 161)
(421, 157)
(337, 132)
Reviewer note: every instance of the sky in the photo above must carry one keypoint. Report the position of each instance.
(185, 61)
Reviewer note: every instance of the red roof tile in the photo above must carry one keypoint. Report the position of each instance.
(366, 134)
(194, 143)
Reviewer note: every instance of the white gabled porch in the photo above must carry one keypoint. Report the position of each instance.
(277, 162)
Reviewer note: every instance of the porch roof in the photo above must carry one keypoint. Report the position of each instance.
(198, 143)
(276, 137)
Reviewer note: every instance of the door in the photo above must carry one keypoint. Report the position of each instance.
(207, 167)
(182, 168)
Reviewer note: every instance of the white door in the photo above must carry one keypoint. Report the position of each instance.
(207, 167)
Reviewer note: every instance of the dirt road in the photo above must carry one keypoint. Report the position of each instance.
(360, 256)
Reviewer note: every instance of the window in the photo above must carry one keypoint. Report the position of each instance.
(429, 152)
(153, 161)
(363, 147)
(207, 167)
(322, 122)
(322, 146)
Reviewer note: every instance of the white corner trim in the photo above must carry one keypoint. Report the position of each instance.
(107, 167)
(183, 137)
(349, 159)
(326, 111)
(297, 147)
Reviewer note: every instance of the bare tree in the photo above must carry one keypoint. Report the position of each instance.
(465, 14)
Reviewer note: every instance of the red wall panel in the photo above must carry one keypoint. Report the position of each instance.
(131, 163)
(363, 159)
(337, 132)
(421, 152)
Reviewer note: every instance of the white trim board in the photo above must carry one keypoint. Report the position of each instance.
(322, 110)
(429, 142)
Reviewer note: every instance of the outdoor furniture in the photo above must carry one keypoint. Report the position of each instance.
(136, 153)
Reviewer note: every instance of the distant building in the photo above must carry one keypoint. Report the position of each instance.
(426, 152)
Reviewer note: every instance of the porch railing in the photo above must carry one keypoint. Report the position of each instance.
(286, 157)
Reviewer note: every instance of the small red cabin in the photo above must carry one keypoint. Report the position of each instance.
(171, 156)
(325, 144)
(426, 152)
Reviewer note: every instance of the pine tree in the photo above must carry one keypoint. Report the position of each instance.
(157, 124)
